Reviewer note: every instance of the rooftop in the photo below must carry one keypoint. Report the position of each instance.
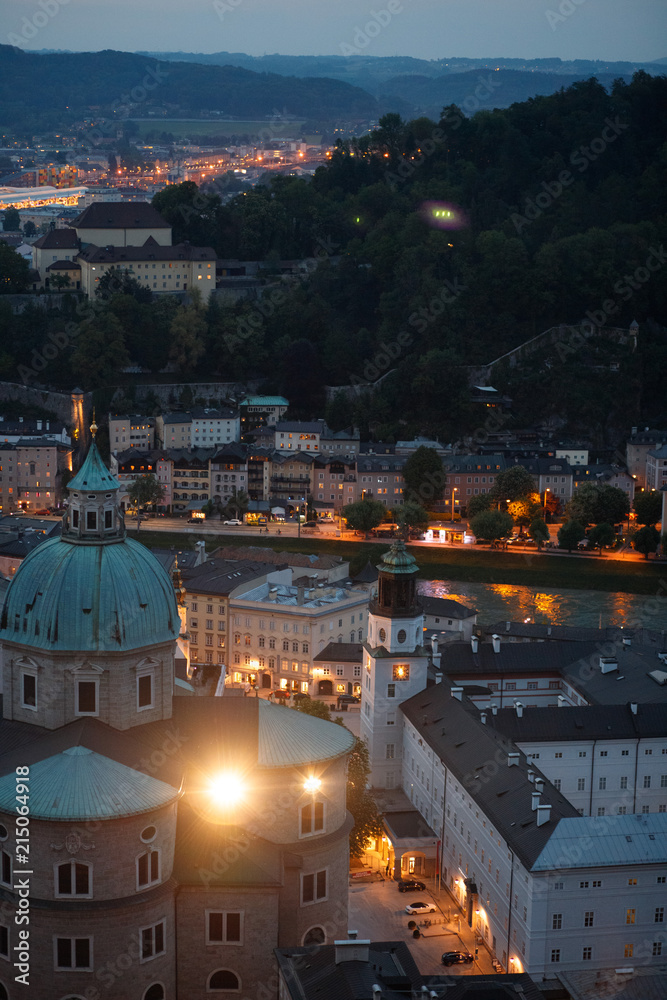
(444, 607)
(153, 251)
(320, 596)
(340, 652)
(604, 841)
(120, 215)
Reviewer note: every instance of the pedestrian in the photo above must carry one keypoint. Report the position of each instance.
(388, 868)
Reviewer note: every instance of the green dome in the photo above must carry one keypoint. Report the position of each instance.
(398, 561)
(90, 598)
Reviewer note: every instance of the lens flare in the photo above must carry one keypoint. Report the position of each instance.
(441, 215)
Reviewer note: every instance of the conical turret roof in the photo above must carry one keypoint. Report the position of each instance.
(93, 474)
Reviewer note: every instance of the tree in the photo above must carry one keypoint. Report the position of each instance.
(423, 476)
(187, 331)
(100, 352)
(29, 228)
(12, 220)
(364, 515)
(310, 706)
(512, 484)
(570, 534)
(478, 504)
(594, 503)
(237, 505)
(14, 271)
(144, 491)
(538, 531)
(646, 540)
(492, 525)
(120, 281)
(524, 509)
(60, 281)
(409, 516)
(601, 534)
(648, 507)
(360, 802)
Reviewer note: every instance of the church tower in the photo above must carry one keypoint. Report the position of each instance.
(394, 663)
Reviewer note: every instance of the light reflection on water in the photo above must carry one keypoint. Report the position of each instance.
(592, 608)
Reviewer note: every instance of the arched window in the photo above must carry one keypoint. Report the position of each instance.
(316, 935)
(360, 635)
(154, 992)
(224, 979)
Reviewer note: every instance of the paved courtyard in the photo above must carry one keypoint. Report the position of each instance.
(377, 911)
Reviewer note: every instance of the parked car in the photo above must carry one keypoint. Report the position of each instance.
(233, 520)
(420, 907)
(41, 513)
(410, 885)
(457, 958)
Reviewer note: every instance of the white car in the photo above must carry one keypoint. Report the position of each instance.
(419, 907)
(233, 521)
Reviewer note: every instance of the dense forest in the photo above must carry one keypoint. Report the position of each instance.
(440, 245)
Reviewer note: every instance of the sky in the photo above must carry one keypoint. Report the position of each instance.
(632, 30)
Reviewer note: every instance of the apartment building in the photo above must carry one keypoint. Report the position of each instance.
(31, 474)
(131, 431)
(261, 411)
(656, 468)
(337, 670)
(229, 472)
(637, 447)
(173, 430)
(276, 630)
(210, 427)
(163, 269)
(131, 465)
(381, 478)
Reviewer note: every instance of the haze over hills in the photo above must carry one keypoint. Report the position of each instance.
(322, 88)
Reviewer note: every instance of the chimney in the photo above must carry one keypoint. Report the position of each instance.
(633, 707)
(351, 950)
(474, 643)
(300, 592)
(519, 709)
(513, 759)
(482, 718)
(539, 784)
(494, 708)
(434, 644)
(457, 692)
(608, 664)
(39, 425)
(352, 935)
(531, 775)
(200, 548)
(377, 992)
(535, 800)
(438, 677)
(561, 701)
(543, 814)
(548, 629)
(495, 639)
(627, 641)
(508, 626)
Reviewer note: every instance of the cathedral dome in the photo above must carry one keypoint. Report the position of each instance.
(92, 589)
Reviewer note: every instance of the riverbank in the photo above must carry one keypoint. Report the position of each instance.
(470, 565)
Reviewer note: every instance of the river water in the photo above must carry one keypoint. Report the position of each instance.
(506, 602)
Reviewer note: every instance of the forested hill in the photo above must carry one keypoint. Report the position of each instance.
(60, 87)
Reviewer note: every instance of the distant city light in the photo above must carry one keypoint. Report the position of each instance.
(440, 215)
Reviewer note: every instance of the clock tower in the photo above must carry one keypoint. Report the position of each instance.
(394, 665)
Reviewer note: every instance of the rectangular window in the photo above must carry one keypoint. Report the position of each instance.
(628, 951)
(4, 941)
(224, 927)
(555, 954)
(624, 783)
(145, 691)
(647, 781)
(389, 751)
(314, 887)
(29, 690)
(557, 921)
(148, 868)
(657, 948)
(152, 941)
(581, 784)
(630, 916)
(86, 698)
(391, 690)
(312, 818)
(73, 953)
(602, 784)
(587, 954)
(659, 915)
(73, 879)
(588, 918)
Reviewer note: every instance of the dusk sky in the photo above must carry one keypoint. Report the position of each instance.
(586, 29)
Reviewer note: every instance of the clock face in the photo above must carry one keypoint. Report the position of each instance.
(401, 672)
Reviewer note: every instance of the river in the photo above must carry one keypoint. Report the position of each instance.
(506, 602)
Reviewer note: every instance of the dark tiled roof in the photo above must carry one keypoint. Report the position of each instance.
(120, 215)
(301, 427)
(120, 255)
(58, 239)
(64, 265)
(369, 574)
(340, 652)
(589, 722)
(568, 633)
(512, 986)
(444, 607)
(221, 576)
(452, 729)
(313, 974)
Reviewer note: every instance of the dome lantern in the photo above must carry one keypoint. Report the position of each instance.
(93, 516)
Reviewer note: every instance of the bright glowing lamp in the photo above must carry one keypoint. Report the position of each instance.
(226, 788)
(312, 784)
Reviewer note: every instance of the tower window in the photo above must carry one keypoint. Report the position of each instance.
(91, 520)
(28, 690)
(108, 519)
(86, 698)
(401, 635)
(145, 691)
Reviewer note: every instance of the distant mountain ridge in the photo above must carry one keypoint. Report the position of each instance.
(64, 86)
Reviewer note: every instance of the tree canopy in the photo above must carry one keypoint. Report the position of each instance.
(364, 515)
(570, 535)
(491, 525)
(423, 476)
(648, 507)
(594, 503)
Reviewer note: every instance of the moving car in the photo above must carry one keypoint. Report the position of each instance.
(233, 521)
(410, 885)
(457, 958)
(419, 907)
